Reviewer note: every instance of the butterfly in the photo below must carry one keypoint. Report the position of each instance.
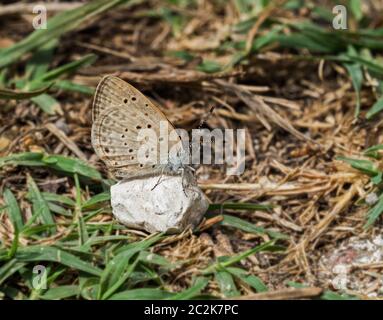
(120, 113)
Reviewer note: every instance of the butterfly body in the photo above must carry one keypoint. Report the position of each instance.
(177, 162)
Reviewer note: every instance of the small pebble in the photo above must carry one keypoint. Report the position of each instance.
(372, 198)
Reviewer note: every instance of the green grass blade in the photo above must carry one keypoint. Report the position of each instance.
(71, 165)
(54, 74)
(152, 258)
(373, 151)
(128, 269)
(15, 244)
(375, 109)
(209, 66)
(60, 163)
(67, 85)
(25, 158)
(121, 266)
(82, 231)
(356, 74)
(252, 280)
(142, 294)
(372, 65)
(40, 206)
(228, 261)
(53, 197)
(95, 200)
(9, 268)
(39, 63)
(226, 284)
(56, 26)
(13, 209)
(52, 254)
(374, 213)
(364, 166)
(199, 284)
(59, 210)
(356, 9)
(8, 94)
(331, 295)
(47, 103)
(240, 206)
(61, 292)
(238, 223)
(326, 295)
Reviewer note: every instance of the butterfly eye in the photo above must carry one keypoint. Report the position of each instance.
(125, 100)
(149, 126)
(122, 136)
(153, 166)
(141, 165)
(126, 129)
(160, 139)
(138, 127)
(107, 150)
(130, 150)
(125, 144)
(134, 98)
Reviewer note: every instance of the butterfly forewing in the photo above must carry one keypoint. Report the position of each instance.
(119, 113)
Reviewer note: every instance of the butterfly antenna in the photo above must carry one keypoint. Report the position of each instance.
(203, 121)
(206, 117)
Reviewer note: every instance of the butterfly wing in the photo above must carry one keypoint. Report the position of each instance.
(110, 92)
(113, 91)
(119, 112)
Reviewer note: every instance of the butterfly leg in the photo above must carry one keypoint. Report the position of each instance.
(183, 181)
(157, 183)
(159, 180)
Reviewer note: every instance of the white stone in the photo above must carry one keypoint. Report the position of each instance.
(175, 203)
(372, 198)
